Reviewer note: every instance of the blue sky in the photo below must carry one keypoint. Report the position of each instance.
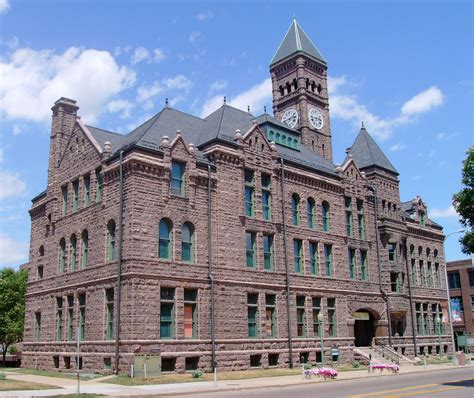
(404, 67)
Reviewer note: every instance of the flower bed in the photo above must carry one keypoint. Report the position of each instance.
(326, 373)
(390, 367)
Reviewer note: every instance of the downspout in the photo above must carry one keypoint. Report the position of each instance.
(211, 278)
(285, 250)
(413, 329)
(119, 266)
(382, 291)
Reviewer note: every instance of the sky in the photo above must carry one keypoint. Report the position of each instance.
(405, 68)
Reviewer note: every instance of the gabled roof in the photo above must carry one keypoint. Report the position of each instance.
(101, 136)
(296, 40)
(367, 153)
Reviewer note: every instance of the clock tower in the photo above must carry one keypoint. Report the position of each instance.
(300, 94)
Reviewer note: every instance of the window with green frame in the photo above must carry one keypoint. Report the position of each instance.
(64, 191)
(251, 257)
(414, 279)
(59, 318)
(419, 319)
(332, 326)
(360, 218)
(295, 209)
(300, 316)
(165, 231)
(364, 275)
(37, 326)
(85, 249)
(328, 268)
(426, 319)
(438, 275)
(252, 314)
(187, 242)
(190, 314)
(352, 265)
(178, 170)
(111, 240)
(310, 206)
(82, 316)
(313, 258)
(249, 193)
(422, 274)
(430, 274)
(109, 303)
(392, 252)
(167, 313)
(75, 195)
(297, 260)
(325, 216)
(348, 207)
(266, 197)
(99, 183)
(70, 318)
(270, 313)
(87, 190)
(62, 255)
(268, 252)
(73, 263)
(316, 310)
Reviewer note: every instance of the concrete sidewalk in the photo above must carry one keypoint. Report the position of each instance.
(95, 386)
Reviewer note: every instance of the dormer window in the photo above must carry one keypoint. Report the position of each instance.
(422, 217)
(177, 179)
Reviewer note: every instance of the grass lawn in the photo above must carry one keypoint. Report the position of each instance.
(50, 373)
(12, 385)
(435, 361)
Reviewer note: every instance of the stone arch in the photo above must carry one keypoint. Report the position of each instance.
(366, 321)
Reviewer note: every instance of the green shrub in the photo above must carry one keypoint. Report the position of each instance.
(355, 364)
(197, 374)
(3, 376)
(307, 366)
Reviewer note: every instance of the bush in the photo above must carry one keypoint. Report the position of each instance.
(3, 376)
(355, 364)
(307, 366)
(197, 374)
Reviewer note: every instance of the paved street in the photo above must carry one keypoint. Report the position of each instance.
(453, 383)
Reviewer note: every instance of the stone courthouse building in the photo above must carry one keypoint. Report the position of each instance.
(221, 240)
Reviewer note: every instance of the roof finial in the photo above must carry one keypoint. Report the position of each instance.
(248, 109)
(225, 100)
(166, 102)
(363, 125)
(264, 109)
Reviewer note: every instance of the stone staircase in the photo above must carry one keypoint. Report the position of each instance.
(367, 354)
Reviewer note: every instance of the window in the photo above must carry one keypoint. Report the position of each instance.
(332, 317)
(70, 317)
(352, 265)
(395, 282)
(167, 313)
(392, 252)
(62, 255)
(87, 190)
(255, 360)
(328, 260)
(422, 215)
(191, 363)
(75, 193)
(273, 359)
(297, 255)
(471, 277)
(430, 275)
(99, 185)
(59, 318)
(310, 206)
(249, 193)
(177, 179)
(164, 245)
(82, 316)
(109, 298)
(270, 315)
(295, 209)
(413, 272)
(73, 264)
(325, 214)
(37, 326)
(64, 195)
(313, 258)
(190, 313)
(316, 310)
(108, 363)
(438, 275)
(434, 315)
(419, 320)
(40, 272)
(300, 316)
(85, 249)
(364, 275)
(268, 252)
(426, 319)
(422, 274)
(187, 243)
(168, 364)
(252, 314)
(266, 197)
(454, 280)
(250, 249)
(472, 303)
(348, 205)
(360, 218)
(111, 240)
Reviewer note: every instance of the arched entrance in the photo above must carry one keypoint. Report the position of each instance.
(364, 328)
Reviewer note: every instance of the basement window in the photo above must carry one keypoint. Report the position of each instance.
(191, 363)
(168, 364)
(255, 361)
(273, 359)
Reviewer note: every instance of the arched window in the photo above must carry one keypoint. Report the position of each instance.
(283, 139)
(428, 252)
(325, 214)
(420, 252)
(295, 209)
(164, 247)
(435, 254)
(187, 243)
(310, 208)
(412, 250)
(73, 264)
(41, 251)
(111, 240)
(271, 135)
(277, 137)
(62, 254)
(85, 249)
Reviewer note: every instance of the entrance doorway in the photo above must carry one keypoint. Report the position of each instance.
(364, 328)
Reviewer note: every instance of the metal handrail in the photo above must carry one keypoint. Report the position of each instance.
(386, 351)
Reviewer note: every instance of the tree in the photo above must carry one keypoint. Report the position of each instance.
(12, 307)
(464, 203)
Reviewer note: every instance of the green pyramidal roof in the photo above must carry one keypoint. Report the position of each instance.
(296, 40)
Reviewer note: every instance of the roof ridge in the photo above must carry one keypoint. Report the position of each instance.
(107, 131)
(182, 112)
(154, 118)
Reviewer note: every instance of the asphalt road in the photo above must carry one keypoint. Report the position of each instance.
(453, 383)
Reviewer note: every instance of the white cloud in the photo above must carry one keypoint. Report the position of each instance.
(158, 55)
(424, 101)
(398, 147)
(255, 97)
(176, 83)
(217, 85)
(32, 80)
(144, 93)
(120, 105)
(4, 6)
(12, 252)
(334, 83)
(11, 185)
(17, 129)
(179, 82)
(140, 54)
(194, 36)
(443, 213)
(12, 43)
(203, 15)
(446, 136)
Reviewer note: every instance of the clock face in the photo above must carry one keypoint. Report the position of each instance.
(290, 117)
(316, 118)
